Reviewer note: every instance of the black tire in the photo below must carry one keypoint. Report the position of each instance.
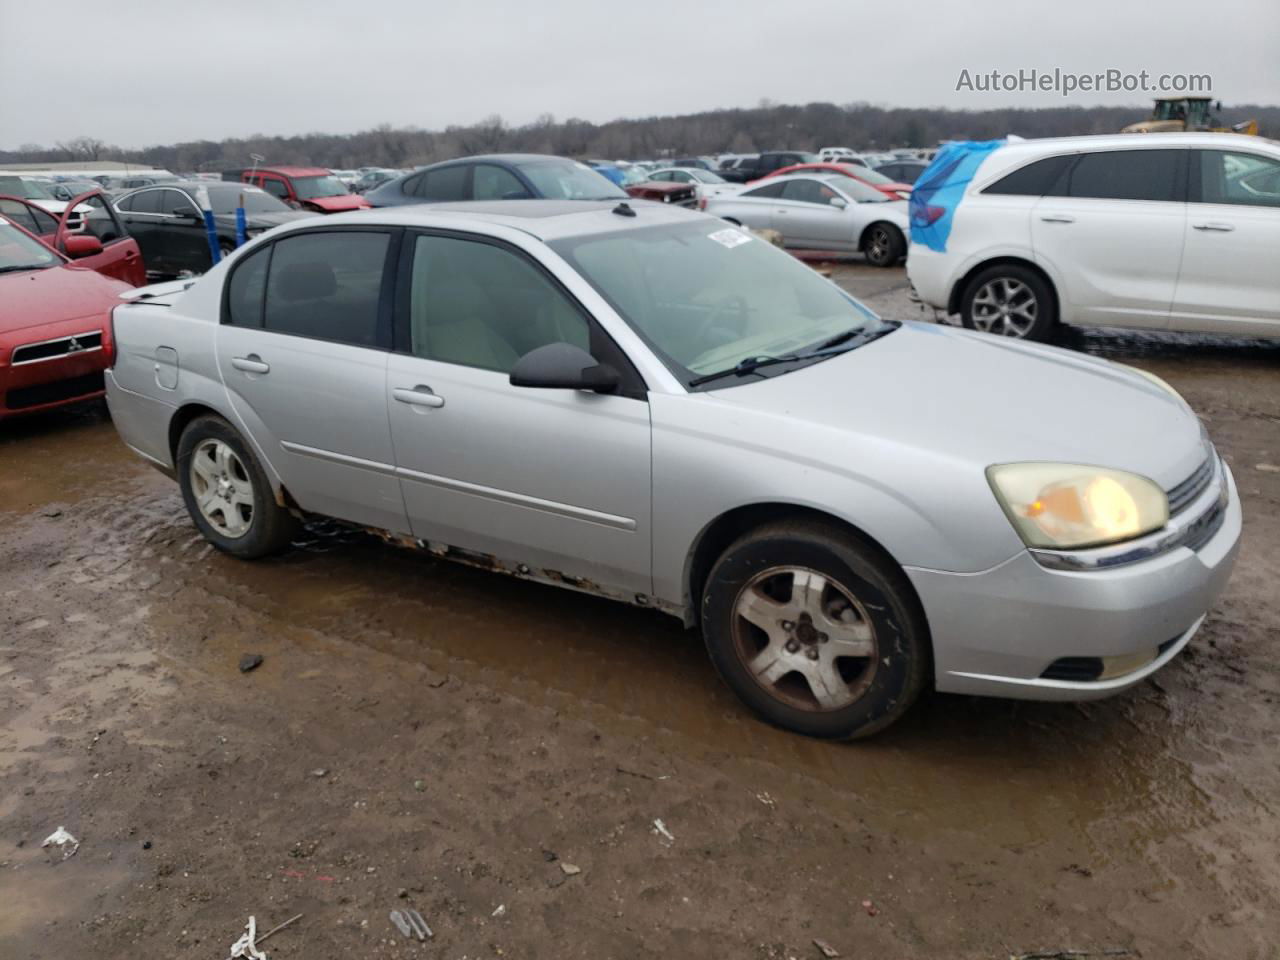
(883, 684)
(979, 312)
(269, 527)
(883, 244)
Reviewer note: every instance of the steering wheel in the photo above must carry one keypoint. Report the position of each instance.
(720, 309)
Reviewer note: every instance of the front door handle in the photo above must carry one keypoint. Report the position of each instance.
(419, 396)
(251, 364)
(1057, 218)
(1216, 227)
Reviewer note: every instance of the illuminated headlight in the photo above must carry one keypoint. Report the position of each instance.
(1067, 506)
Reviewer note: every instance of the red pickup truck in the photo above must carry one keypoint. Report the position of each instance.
(303, 188)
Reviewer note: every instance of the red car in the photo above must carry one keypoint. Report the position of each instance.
(303, 188)
(681, 194)
(97, 239)
(899, 191)
(55, 323)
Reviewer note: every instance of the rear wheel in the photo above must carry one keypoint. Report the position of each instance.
(817, 632)
(883, 244)
(228, 494)
(1011, 301)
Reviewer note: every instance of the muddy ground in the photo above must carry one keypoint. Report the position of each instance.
(426, 735)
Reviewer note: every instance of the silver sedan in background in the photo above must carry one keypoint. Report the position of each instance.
(822, 211)
(649, 404)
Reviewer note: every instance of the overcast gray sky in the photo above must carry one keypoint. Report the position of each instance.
(145, 72)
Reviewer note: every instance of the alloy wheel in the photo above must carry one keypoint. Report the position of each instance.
(879, 245)
(1006, 307)
(222, 487)
(805, 638)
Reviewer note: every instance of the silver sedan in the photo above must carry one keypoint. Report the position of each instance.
(821, 211)
(651, 405)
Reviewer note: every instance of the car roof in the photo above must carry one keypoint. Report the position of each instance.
(511, 158)
(1017, 152)
(1110, 141)
(545, 219)
(293, 171)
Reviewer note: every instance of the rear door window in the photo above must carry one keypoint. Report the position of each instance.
(1128, 175)
(327, 286)
(146, 201)
(1034, 180)
(449, 183)
(767, 191)
(246, 289)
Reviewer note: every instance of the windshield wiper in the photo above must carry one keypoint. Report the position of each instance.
(840, 343)
(13, 268)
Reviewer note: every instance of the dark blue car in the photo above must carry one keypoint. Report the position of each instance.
(507, 176)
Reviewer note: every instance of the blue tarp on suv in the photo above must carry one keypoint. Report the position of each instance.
(936, 194)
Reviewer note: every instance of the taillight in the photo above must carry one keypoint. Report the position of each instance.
(927, 215)
(702, 203)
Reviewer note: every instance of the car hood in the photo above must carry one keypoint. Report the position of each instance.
(37, 297)
(980, 399)
(339, 204)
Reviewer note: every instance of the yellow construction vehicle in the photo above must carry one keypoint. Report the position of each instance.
(1176, 114)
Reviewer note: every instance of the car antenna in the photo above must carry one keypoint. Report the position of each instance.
(623, 209)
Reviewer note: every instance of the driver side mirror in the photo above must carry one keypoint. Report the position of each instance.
(187, 213)
(838, 202)
(80, 245)
(562, 366)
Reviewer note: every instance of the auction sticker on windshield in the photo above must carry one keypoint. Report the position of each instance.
(729, 238)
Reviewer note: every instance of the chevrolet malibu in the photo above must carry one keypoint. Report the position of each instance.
(646, 403)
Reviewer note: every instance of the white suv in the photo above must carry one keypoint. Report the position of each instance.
(1161, 231)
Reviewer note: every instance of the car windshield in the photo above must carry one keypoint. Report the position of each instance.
(706, 296)
(311, 188)
(560, 180)
(27, 189)
(255, 201)
(706, 176)
(18, 251)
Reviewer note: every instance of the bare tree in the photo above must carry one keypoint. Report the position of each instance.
(83, 148)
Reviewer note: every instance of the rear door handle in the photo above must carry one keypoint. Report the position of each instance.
(1057, 218)
(419, 396)
(1217, 227)
(251, 364)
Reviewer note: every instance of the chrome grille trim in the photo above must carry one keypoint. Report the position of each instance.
(1182, 495)
(58, 347)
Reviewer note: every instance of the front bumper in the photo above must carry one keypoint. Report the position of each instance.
(996, 632)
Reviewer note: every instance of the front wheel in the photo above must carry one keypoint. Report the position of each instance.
(883, 245)
(817, 632)
(228, 494)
